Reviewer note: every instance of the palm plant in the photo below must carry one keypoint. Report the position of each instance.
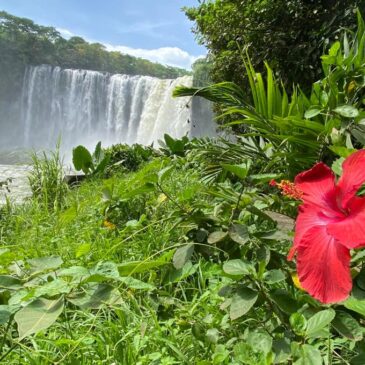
(299, 129)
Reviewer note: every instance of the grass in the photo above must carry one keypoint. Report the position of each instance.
(143, 299)
(135, 332)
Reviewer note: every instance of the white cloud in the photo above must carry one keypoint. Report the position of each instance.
(171, 56)
(65, 33)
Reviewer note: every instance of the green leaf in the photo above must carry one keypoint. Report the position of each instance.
(10, 282)
(359, 135)
(75, 272)
(82, 159)
(239, 233)
(53, 288)
(137, 267)
(312, 112)
(281, 350)
(182, 255)
(260, 341)
(265, 178)
(237, 267)
(95, 297)
(319, 322)
(240, 171)
(298, 323)
(309, 355)
(83, 250)
(342, 151)
(135, 283)
(337, 166)
(217, 236)
(347, 111)
(104, 270)
(347, 326)
(358, 360)
(355, 305)
(212, 335)
(175, 276)
(165, 173)
(242, 302)
(284, 301)
(45, 263)
(5, 314)
(98, 152)
(38, 316)
(274, 276)
(220, 355)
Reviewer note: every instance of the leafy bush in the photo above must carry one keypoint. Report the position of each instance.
(171, 146)
(127, 157)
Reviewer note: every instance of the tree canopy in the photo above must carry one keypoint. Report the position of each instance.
(290, 35)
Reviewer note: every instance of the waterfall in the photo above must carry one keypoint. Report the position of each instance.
(83, 107)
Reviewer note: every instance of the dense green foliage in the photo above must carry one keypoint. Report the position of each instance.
(126, 157)
(165, 266)
(291, 35)
(22, 43)
(293, 131)
(179, 255)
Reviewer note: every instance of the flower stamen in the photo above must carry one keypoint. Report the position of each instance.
(288, 189)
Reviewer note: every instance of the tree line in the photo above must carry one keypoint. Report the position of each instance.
(23, 42)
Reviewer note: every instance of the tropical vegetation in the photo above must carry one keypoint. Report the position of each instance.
(179, 254)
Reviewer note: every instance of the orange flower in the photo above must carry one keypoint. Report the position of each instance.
(109, 225)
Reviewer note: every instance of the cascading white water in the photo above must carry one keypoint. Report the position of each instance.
(83, 107)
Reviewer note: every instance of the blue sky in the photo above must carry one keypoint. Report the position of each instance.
(154, 29)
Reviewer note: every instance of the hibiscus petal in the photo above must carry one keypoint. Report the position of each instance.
(309, 216)
(318, 186)
(352, 178)
(350, 231)
(323, 266)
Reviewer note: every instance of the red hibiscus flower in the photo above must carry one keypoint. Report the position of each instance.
(331, 221)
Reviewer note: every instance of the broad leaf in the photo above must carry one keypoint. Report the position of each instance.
(240, 171)
(284, 301)
(319, 321)
(96, 296)
(10, 282)
(183, 255)
(356, 305)
(237, 267)
(45, 263)
(312, 112)
(242, 302)
(347, 111)
(217, 236)
(136, 267)
(274, 276)
(239, 233)
(347, 326)
(82, 159)
(309, 355)
(38, 316)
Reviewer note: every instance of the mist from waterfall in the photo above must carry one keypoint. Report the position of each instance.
(83, 107)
